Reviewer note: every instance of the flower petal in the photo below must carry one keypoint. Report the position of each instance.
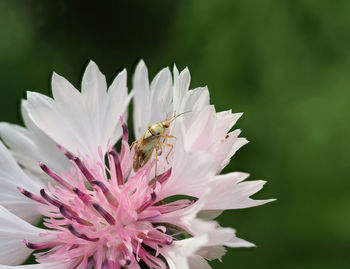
(31, 145)
(161, 96)
(178, 253)
(118, 101)
(151, 103)
(218, 238)
(12, 176)
(141, 99)
(181, 86)
(198, 262)
(190, 175)
(195, 100)
(81, 122)
(228, 192)
(13, 230)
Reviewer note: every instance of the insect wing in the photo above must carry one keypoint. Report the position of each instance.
(144, 150)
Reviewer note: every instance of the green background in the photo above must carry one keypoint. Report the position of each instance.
(285, 64)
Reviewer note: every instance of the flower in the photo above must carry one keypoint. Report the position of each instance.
(98, 211)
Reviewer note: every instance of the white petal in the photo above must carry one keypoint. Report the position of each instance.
(238, 143)
(226, 120)
(191, 173)
(141, 99)
(197, 262)
(43, 147)
(181, 86)
(212, 253)
(161, 96)
(11, 177)
(94, 83)
(222, 148)
(94, 93)
(19, 139)
(13, 230)
(151, 103)
(81, 122)
(220, 236)
(58, 122)
(217, 239)
(228, 193)
(196, 99)
(206, 130)
(177, 254)
(200, 133)
(118, 100)
(63, 91)
(209, 214)
(239, 243)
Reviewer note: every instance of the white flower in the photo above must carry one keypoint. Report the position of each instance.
(106, 214)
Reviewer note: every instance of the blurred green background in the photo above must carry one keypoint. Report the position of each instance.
(285, 64)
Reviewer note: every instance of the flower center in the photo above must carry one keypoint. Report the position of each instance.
(101, 215)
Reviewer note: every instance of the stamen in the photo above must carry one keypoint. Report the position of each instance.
(90, 264)
(111, 199)
(156, 237)
(118, 169)
(162, 178)
(39, 245)
(54, 176)
(125, 130)
(80, 235)
(108, 217)
(111, 256)
(32, 196)
(83, 169)
(148, 202)
(159, 238)
(82, 196)
(68, 214)
(126, 254)
(69, 155)
(113, 264)
(150, 260)
(125, 141)
(105, 265)
(48, 198)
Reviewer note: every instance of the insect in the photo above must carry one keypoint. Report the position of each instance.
(152, 140)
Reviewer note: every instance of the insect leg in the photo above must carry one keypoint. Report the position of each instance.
(155, 168)
(160, 148)
(168, 136)
(133, 143)
(171, 148)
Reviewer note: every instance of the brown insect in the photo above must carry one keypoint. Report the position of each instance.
(151, 140)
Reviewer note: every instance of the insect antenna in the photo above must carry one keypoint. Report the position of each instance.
(166, 112)
(176, 116)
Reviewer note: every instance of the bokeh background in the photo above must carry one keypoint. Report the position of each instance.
(285, 64)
